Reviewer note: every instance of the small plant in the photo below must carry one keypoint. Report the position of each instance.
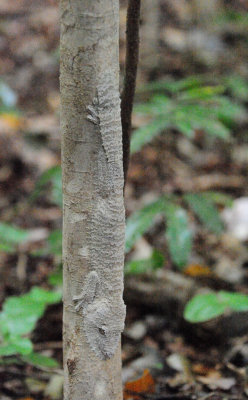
(18, 319)
(179, 234)
(189, 105)
(11, 237)
(186, 105)
(204, 307)
(52, 179)
(136, 267)
(233, 20)
(21, 313)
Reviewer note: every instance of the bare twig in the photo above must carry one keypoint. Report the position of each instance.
(48, 345)
(210, 182)
(132, 55)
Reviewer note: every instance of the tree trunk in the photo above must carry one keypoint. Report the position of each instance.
(93, 233)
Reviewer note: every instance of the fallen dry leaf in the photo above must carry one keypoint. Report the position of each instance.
(26, 398)
(145, 384)
(11, 122)
(180, 363)
(216, 381)
(178, 380)
(201, 369)
(196, 270)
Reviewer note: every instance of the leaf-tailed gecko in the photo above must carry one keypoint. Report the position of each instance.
(103, 321)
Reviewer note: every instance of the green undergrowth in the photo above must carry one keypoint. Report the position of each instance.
(187, 106)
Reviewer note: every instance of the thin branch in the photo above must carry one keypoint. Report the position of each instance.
(132, 56)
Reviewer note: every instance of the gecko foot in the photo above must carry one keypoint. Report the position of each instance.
(93, 114)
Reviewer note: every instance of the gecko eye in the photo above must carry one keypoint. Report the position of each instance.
(102, 331)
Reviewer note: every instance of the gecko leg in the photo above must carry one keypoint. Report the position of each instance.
(89, 291)
(93, 113)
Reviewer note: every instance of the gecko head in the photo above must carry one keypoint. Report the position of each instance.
(103, 323)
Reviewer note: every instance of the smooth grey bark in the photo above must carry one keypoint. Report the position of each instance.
(94, 220)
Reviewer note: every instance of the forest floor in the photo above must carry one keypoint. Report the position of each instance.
(168, 357)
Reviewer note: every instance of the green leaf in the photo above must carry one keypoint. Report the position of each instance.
(20, 314)
(39, 360)
(54, 177)
(219, 198)
(56, 278)
(185, 127)
(194, 113)
(7, 349)
(53, 246)
(57, 188)
(139, 222)
(21, 325)
(203, 307)
(178, 234)
(228, 110)
(172, 86)
(19, 317)
(42, 296)
(189, 117)
(238, 86)
(10, 234)
(201, 93)
(7, 248)
(237, 19)
(190, 105)
(136, 267)
(22, 345)
(16, 345)
(216, 128)
(157, 106)
(235, 301)
(55, 242)
(184, 84)
(146, 133)
(205, 211)
(49, 175)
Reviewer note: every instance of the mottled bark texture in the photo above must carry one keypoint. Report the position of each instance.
(93, 233)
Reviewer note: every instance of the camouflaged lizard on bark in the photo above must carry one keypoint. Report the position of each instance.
(101, 302)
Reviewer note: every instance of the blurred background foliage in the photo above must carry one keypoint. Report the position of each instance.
(186, 195)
